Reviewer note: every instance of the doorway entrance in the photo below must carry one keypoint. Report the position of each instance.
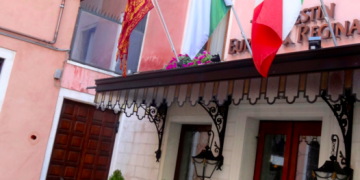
(193, 139)
(287, 150)
(83, 144)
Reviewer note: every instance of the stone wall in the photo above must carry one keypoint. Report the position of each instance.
(138, 142)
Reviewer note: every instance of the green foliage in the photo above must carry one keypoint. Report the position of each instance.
(116, 175)
(201, 59)
(184, 58)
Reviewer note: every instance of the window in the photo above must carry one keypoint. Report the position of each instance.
(97, 32)
(1, 64)
(193, 140)
(287, 150)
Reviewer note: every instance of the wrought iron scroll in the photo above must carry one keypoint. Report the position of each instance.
(158, 117)
(335, 142)
(218, 114)
(343, 112)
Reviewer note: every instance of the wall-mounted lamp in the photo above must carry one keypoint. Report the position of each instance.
(314, 42)
(332, 169)
(343, 112)
(206, 163)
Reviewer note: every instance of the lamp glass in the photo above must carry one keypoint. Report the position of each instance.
(341, 177)
(323, 175)
(205, 168)
(331, 170)
(210, 167)
(199, 166)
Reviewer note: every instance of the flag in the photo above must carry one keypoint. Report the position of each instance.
(271, 24)
(134, 13)
(204, 17)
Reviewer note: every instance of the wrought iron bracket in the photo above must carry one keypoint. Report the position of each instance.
(158, 117)
(343, 111)
(218, 114)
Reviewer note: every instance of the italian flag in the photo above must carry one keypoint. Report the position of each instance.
(204, 16)
(271, 24)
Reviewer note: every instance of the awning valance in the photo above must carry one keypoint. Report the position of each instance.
(306, 73)
(287, 87)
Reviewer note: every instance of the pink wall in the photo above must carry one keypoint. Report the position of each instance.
(78, 79)
(345, 10)
(157, 51)
(31, 96)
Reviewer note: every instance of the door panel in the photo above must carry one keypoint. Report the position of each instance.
(272, 130)
(305, 150)
(287, 150)
(83, 144)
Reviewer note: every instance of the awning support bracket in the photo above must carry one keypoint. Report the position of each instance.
(343, 112)
(158, 117)
(218, 114)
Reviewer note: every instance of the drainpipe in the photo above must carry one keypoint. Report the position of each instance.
(38, 39)
(33, 42)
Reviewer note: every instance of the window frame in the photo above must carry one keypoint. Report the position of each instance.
(74, 37)
(1, 64)
(81, 9)
(8, 57)
(113, 62)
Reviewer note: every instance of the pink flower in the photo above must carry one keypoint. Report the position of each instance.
(204, 52)
(190, 64)
(196, 57)
(186, 55)
(180, 54)
(207, 62)
(198, 62)
(184, 65)
(201, 57)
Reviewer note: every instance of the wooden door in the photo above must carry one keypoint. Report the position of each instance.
(280, 154)
(83, 144)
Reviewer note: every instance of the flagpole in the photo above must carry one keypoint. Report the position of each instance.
(166, 30)
(242, 30)
(328, 22)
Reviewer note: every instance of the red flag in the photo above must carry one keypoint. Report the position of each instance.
(266, 35)
(134, 13)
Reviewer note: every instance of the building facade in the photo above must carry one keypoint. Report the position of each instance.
(50, 128)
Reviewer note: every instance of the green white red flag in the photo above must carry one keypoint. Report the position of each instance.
(271, 24)
(204, 17)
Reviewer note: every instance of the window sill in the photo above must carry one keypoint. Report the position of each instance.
(92, 68)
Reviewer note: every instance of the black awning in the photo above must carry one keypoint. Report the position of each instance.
(327, 59)
(307, 73)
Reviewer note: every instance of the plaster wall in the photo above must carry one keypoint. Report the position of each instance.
(78, 78)
(156, 49)
(29, 104)
(345, 10)
(240, 139)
